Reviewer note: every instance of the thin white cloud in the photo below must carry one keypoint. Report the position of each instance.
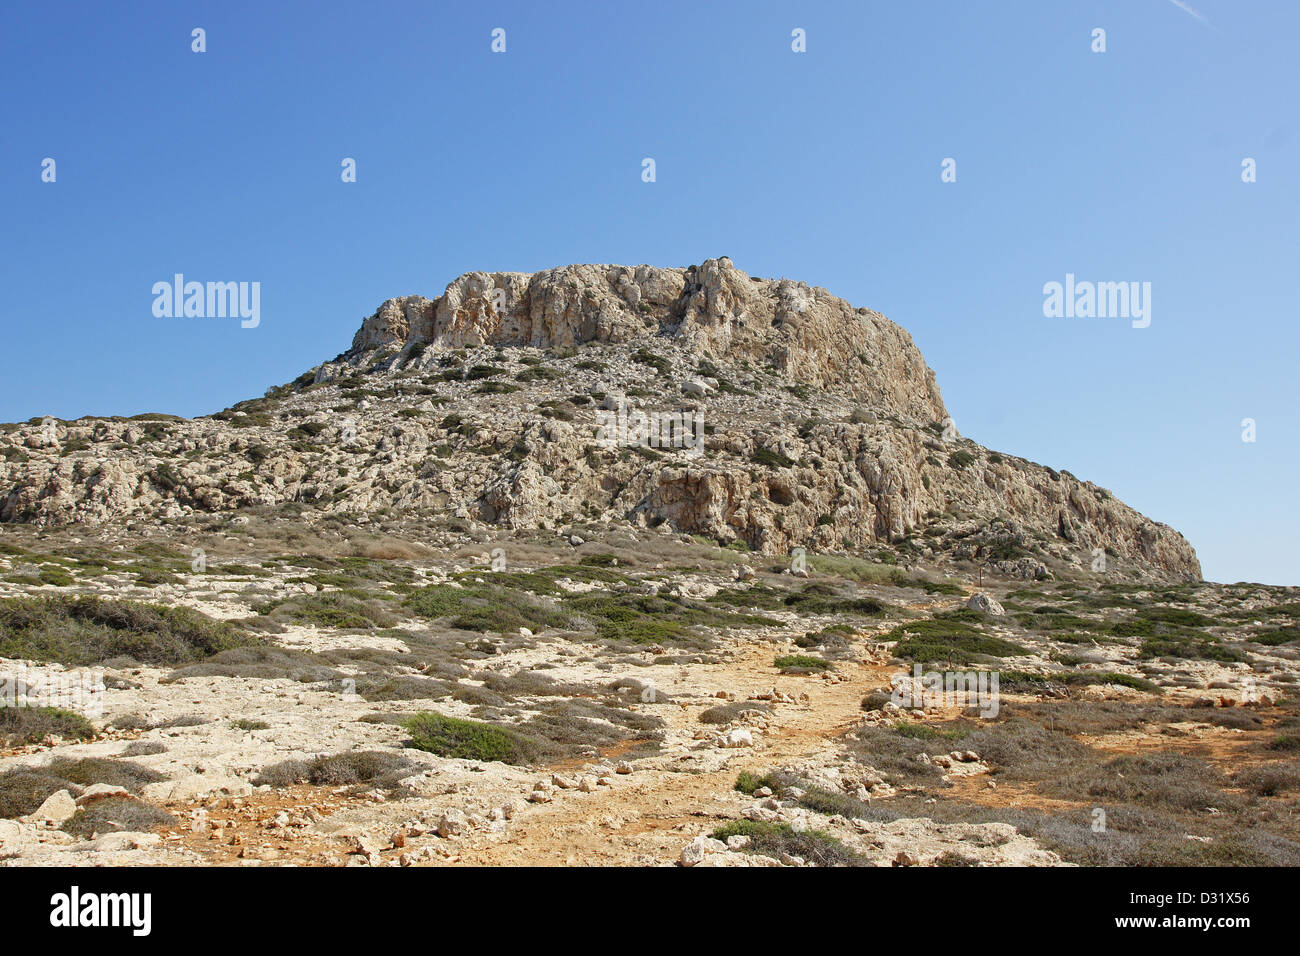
(1187, 8)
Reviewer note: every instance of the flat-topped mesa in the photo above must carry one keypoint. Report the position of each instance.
(714, 309)
(824, 431)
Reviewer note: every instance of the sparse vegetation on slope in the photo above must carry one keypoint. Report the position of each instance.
(92, 630)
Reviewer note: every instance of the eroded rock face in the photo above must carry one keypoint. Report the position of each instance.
(713, 310)
(823, 429)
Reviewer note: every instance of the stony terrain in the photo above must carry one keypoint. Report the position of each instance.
(822, 428)
(646, 678)
(411, 609)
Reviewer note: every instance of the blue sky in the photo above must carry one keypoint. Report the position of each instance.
(822, 166)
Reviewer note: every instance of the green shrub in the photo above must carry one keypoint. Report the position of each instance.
(726, 713)
(775, 839)
(948, 639)
(151, 576)
(651, 619)
(469, 739)
(253, 420)
(771, 459)
(23, 726)
(834, 636)
(376, 769)
(1272, 637)
(24, 789)
(800, 663)
(1177, 616)
(165, 477)
(117, 814)
(83, 631)
(488, 607)
(113, 771)
(307, 430)
(538, 374)
(926, 732)
(821, 598)
(1028, 679)
(746, 782)
(659, 364)
(818, 799)
(337, 610)
(1055, 619)
(56, 576)
(804, 393)
(1190, 646)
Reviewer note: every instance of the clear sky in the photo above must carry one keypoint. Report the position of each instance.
(822, 166)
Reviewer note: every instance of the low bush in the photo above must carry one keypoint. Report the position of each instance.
(801, 664)
(469, 739)
(81, 631)
(117, 814)
(113, 771)
(726, 713)
(776, 839)
(23, 726)
(371, 768)
(948, 639)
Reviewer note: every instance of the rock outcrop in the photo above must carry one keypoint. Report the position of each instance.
(696, 400)
(713, 310)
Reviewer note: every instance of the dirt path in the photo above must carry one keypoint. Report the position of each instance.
(648, 816)
(645, 818)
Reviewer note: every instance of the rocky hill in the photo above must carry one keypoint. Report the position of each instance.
(442, 601)
(700, 401)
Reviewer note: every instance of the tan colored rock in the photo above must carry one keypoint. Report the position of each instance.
(100, 791)
(57, 808)
(860, 454)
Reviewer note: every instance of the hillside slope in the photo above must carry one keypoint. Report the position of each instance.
(792, 419)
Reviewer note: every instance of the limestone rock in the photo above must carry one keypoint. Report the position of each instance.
(453, 823)
(821, 427)
(985, 605)
(58, 807)
(737, 737)
(699, 848)
(99, 791)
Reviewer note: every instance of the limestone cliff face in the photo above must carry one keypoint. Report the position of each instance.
(713, 310)
(824, 429)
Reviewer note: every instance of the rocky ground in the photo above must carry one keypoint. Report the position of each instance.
(441, 600)
(670, 701)
(520, 401)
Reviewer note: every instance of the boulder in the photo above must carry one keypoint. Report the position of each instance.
(984, 604)
(59, 807)
(699, 848)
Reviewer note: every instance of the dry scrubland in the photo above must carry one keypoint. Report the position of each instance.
(407, 609)
(324, 697)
